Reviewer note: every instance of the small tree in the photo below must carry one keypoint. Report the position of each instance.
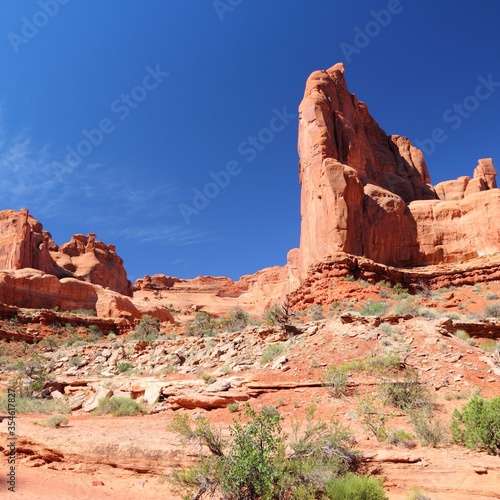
(148, 328)
(278, 314)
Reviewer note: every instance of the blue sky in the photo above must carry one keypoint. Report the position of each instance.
(170, 93)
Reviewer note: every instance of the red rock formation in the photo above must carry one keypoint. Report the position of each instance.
(218, 295)
(367, 193)
(24, 244)
(34, 289)
(94, 261)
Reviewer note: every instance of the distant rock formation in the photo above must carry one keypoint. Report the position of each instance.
(369, 194)
(24, 244)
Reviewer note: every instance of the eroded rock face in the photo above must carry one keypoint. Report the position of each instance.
(24, 244)
(35, 289)
(366, 193)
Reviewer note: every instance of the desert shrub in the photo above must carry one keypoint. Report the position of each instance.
(203, 432)
(124, 366)
(373, 308)
(35, 405)
(73, 339)
(451, 315)
(388, 362)
(233, 407)
(95, 333)
(407, 394)
(488, 345)
(84, 312)
(253, 463)
(429, 430)
(316, 312)
(463, 335)
(111, 336)
(388, 329)
(118, 406)
(55, 421)
(272, 351)
(203, 325)
(278, 314)
(477, 425)
(491, 296)
(148, 328)
(384, 293)
(400, 291)
(51, 342)
(75, 361)
(373, 417)
(32, 376)
(492, 310)
(209, 378)
(416, 493)
(399, 437)
(249, 470)
(355, 488)
(406, 306)
(236, 320)
(335, 380)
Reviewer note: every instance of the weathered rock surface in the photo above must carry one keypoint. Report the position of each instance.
(24, 244)
(366, 193)
(218, 295)
(35, 289)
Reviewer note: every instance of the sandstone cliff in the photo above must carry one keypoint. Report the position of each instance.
(366, 193)
(24, 244)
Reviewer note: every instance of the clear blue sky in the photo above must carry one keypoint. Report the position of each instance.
(179, 86)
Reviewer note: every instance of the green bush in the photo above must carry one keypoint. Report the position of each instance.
(124, 366)
(374, 308)
(203, 325)
(477, 426)
(148, 328)
(209, 378)
(271, 351)
(75, 361)
(253, 464)
(249, 470)
(236, 320)
(76, 337)
(354, 487)
(118, 406)
(233, 407)
(84, 312)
